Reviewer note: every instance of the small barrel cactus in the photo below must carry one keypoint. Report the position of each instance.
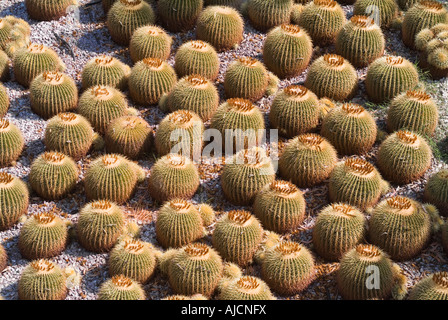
(333, 77)
(426, 35)
(264, 15)
(436, 191)
(413, 110)
(149, 80)
(3, 260)
(126, 16)
(197, 57)
(365, 186)
(4, 69)
(432, 287)
(382, 11)
(100, 224)
(134, 259)
(44, 235)
(339, 227)
(11, 142)
(105, 71)
(287, 50)
(179, 15)
(437, 62)
(350, 129)
(4, 100)
(173, 176)
(246, 288)
(404, 157)
(237, 236)
(389, 76)
(150, 42)
(207, 213)
(42, 280)
(45, 10)
(360, 41)
(121, 287)
(14, 198)
(280, 206)
(307, 160)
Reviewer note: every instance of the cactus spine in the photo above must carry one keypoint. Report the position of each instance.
(436, 191)
(388, 10)
(4, 101)
(105, 71)
(179, 15)
(432, 287)
(264, 15)
(14, 198)
(150, 42)
(4, 70)
(45, 10)
(121, 287)
(11, 142)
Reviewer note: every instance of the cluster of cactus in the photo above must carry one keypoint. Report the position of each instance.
(246, 173)
(51, 93)
(356, 182)
(333, 77)
(14, 198)
(197, 57)
(120, 287)
(404, 157)
(173, 176)
(179, 15)
(3, 259)
(339, 227)
(287, 50)
(350, 129)
(426, 36)
(433, 44)
(307, 160)
(389, 76)
(264, 15)
(150, 42)
(432, 287)
(11, 142)
(126, 16)
(4, 67)
(245, 288)
(4, 100)
(383, 11)
(436, 191)
(42, 280)
(100, 225)
(45, 10)
(400, 226)
(105, 70)
(14, 34)
(360, 41)
(43, 235)
(280, 206)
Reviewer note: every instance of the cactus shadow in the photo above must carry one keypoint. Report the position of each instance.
(10, 292)
(91, 12)
(443, 148)
(97, 41)
(16, 9)
(33, 149)
(94, 278)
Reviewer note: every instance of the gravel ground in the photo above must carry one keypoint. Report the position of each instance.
(79, 38)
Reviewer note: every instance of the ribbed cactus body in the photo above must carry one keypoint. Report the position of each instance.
(350, 129)
(436, 191)
(307, 160)
(14, 198)
(388, 10)
(42, 280)
(287, 50)
(150, 42)
(356, 182)
(121, 287)
(11, 142)
(404, 157)
(4, 100)
(423, 37)
(3, 259)
(44, 235)
(149, 80)
(246, 288)
(237, 236)
(45, 10)
(339, 227)
(228, 3)
(5, 31)
(14, 34)
(107, 4)
(280, 206)
(173, 176)
(105, 71)
(207, 213)
(295, 110)
(389, 76)
(264, 15)
(130, 136)
(4, 70)
(100, 224)
(437, 62)
(126, 16)
(432, 287)
(179, 15)
(360, 41)
(333, 77)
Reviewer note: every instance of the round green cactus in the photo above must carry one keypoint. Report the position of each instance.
(246, 173)
(437, 62)
(100, 224)
(33, 60)
(121, 287)
(280, 206)
(389, 76)
(180, 15)
(404, 157)
(4, 101)
(173, 176)
(360, 41)
(287, 50)
(150, 42)
(427, 35)
(11, 142)
(105, 70)
(356, 182)
(126, 16)
(178, 224)
(387, 10)
(134, 259)
(436, 191)
(207, 213)
(307, 160)
(14, 198)
(130, 136)
(197, 57)
(296, 11)
(44, 235)
(149, 80)
(3, 259)
(46, 10)
(295, 110)
(333, 77)
(264, 15)
(413, 110)
(400, 226)
(5, 32)
(4, 69)
(237, 236)
(432, 287)
(350, 129)
(246, 288)
(42, 280)
(339, 227)
(220, 26)
(101, 105)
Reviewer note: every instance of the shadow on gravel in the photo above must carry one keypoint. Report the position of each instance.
(443, 148)
(94, 278)
(96, 41)
(34, 148)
